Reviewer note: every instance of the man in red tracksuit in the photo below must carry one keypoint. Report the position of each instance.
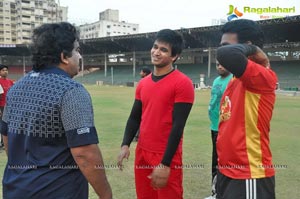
(163, 101)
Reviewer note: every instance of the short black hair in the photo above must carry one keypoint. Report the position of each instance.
(246, 30)
(49, 41)
(173, 38)
(3, 66)
(146, 70)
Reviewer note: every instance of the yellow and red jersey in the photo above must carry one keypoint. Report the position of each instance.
(245, 114)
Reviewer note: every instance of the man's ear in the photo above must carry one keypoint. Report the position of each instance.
(175, 58)
(63, 58)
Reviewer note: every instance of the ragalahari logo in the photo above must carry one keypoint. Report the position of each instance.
(233, 13)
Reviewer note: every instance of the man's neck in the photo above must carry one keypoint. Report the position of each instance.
(224, 76)
(162, 71)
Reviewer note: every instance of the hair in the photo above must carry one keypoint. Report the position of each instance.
(173, 38)
(49, 41)
(3, 66)
(246, 30)
(146, 70)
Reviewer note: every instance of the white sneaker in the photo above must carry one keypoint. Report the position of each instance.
(211, 197)
(213, 188)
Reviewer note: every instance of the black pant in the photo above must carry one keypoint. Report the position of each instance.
(214, 162)
(261, 188)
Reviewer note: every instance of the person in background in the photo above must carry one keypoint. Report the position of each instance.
(217, 90)
(162, 104)
(245, 168)
(48, 125)
(144, 72)
(5, 84)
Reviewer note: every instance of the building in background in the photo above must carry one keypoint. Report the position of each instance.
(108, 25)
(19, 17)
(217, 22)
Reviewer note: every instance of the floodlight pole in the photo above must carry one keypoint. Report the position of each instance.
(82, 67)
(133, 64)
(24, 66)
(112, 75)
(209, 62)
(105, 65)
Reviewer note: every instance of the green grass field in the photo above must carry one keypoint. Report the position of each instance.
(113, 104)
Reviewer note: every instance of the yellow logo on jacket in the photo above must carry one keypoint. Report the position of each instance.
(225, 111)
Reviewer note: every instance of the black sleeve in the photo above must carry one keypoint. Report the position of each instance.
(133, 123)
(180, 114)
(234, 57)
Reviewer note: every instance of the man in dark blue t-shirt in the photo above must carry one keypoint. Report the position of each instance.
(48, 125)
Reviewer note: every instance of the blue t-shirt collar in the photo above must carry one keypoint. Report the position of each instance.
(54, 70)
